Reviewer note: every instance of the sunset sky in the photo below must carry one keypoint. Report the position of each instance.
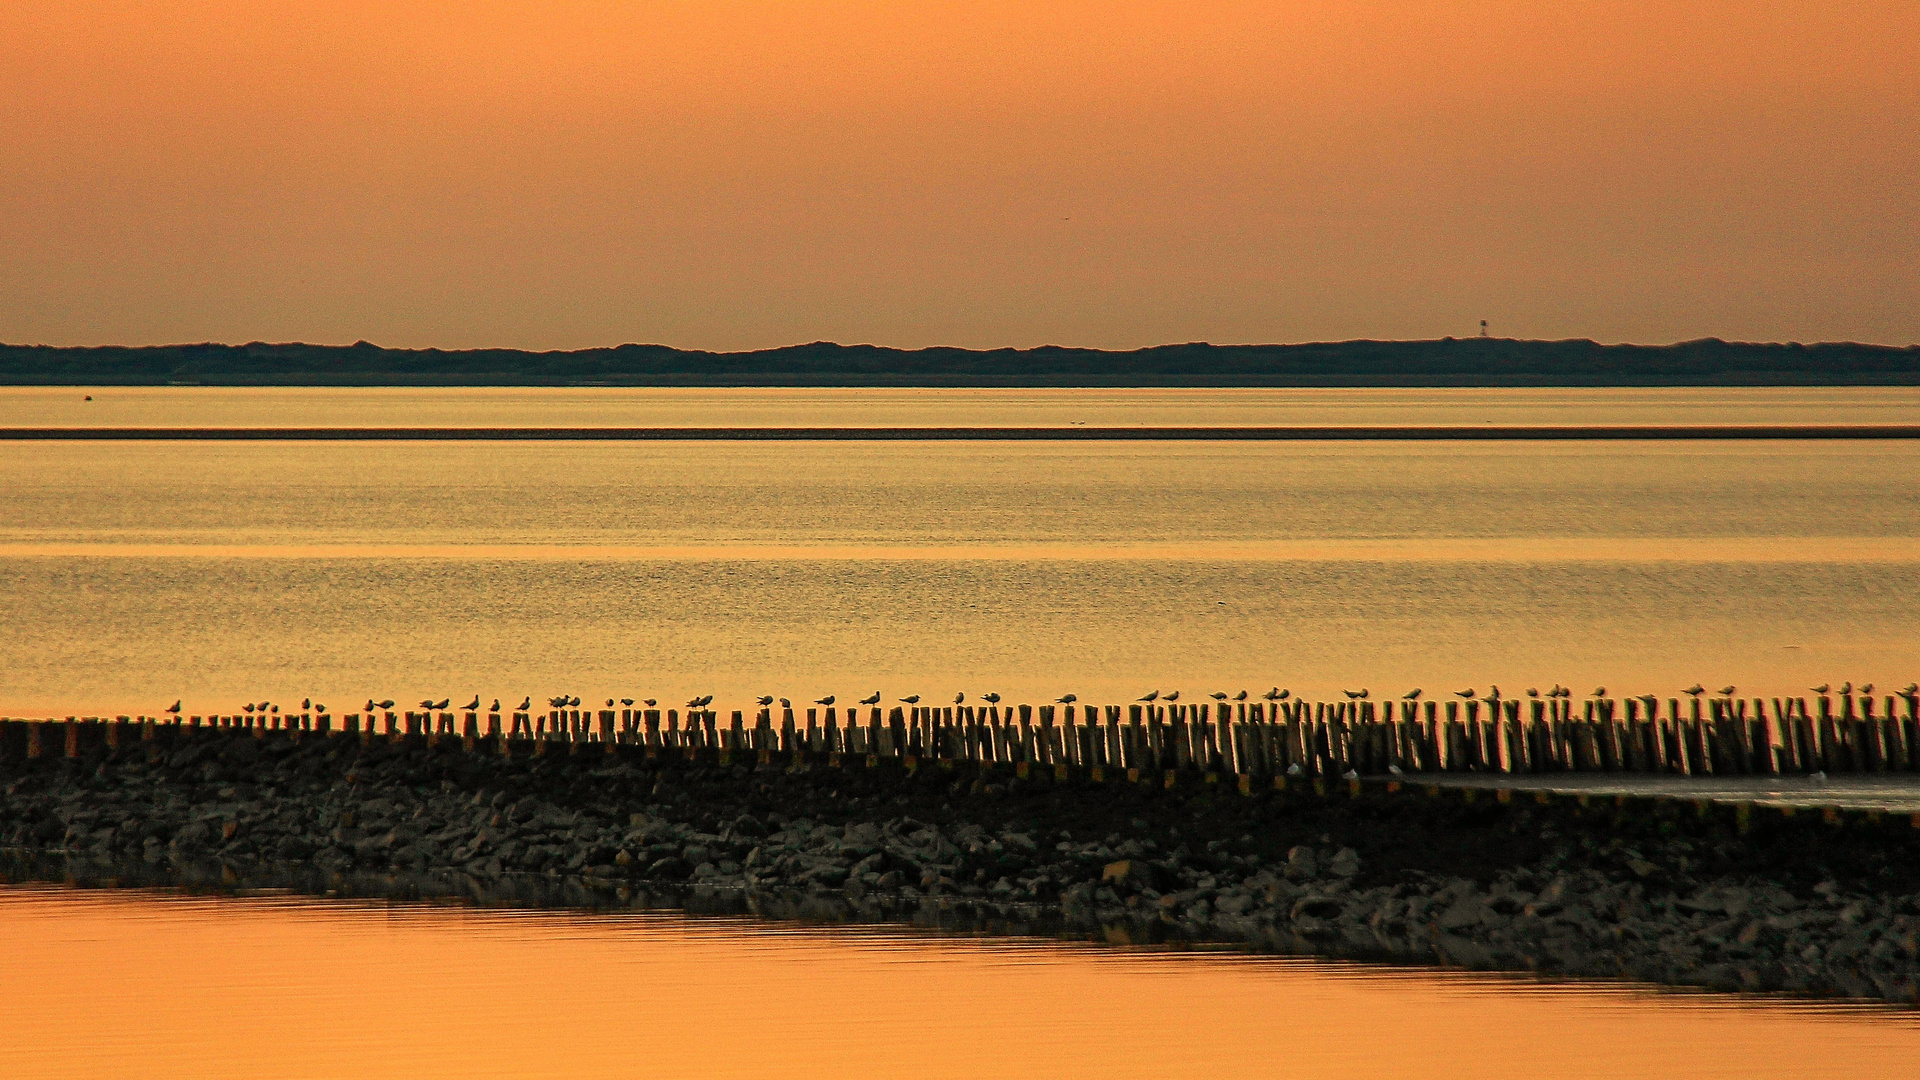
(747, 173)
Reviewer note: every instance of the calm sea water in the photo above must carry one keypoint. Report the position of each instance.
(132, 574)
(152, 985)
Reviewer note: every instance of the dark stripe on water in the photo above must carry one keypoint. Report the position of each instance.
(974, 434)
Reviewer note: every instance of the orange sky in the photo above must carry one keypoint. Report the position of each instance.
(744, 173)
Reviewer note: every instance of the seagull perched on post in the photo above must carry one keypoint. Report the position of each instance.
(475, 703)
(387, 704)
(1821, 689)
(871, 699)
(828, 700)
(623, 701)
(991, 699)
(306, 703)
(1695, 690)
(495, 707)
(1469, 692)
(525, 703)
(910, 699)
(1069, 699)
(764, 699)
(1727, 691)
(1151, 695)
(1171, 695)
(173, 708)
(1354, 695)
(1241, 696)
(1411, 695)
(649, 702)
(959, 697)
(1866, 688)
(1846, 687)
(785, 704)
(1218, 695)
(1272, 695)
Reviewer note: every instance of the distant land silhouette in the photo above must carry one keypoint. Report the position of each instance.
(1445, 362)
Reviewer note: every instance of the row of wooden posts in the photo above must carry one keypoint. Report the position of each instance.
(1690, 737)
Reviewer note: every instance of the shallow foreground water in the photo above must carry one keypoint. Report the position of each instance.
(154, 984)
(132, 574)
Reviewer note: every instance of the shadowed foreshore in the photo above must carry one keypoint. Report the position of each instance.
(1443, 362)
(1662, 890)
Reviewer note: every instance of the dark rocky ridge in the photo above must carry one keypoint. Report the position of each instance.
(1446, 362)
(1658, 891)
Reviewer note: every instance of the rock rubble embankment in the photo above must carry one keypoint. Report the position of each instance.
(1658, 892)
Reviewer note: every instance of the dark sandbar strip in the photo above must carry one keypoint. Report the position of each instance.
(974, 434)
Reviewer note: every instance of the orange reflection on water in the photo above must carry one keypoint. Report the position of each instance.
(135, 984)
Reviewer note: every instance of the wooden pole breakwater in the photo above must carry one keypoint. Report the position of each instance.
(1247, 742)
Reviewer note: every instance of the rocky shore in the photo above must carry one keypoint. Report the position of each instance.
(1659, 891)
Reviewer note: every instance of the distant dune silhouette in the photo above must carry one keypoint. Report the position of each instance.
(1445, 362)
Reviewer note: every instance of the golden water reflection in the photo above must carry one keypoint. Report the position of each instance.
(159, 985)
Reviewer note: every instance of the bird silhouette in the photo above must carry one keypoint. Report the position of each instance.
(1353, 695)
(785, 704)
(1218, 695)
(575, 701)
(174, 708)
(387, 704)
(475, 703)
(495, 707)
(1284, 695)
(1069, 699)
(1272, 695)
(828, 700)
(1171, 695)
(1411, 695)
(1727, 691)
(275, 708)
(527, 703)
(1493, 693)
(871, 699)
(1846, 687)
(765, 699)
(1533, 691)
(608, 705)
(1241, 696)
(370, 705)
(1821, 689)
(911, 699)
(319, 708)
(623, 701)
(1151, 695)
(427, 704)
(1910, 690)
(649, 703)
(959, 697)
(1598, 691)
(1866, 688)
(249, 706)
(441, 704)
(1467, 693)
(991, 699)
(1695, 690)
(306, 703)
(558, 702)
